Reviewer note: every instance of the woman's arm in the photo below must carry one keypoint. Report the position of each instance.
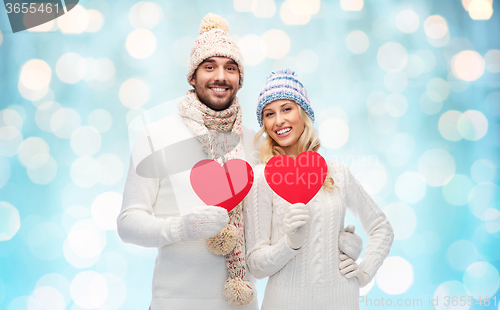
(374, 223)
(263, 259)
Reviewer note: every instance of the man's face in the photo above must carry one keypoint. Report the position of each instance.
(216, 82)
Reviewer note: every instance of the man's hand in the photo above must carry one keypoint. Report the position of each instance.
(295, 221)
(202, 223)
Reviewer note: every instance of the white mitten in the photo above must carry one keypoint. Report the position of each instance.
(349, 268)
(295, 221)
(203, 223)
(350, 243)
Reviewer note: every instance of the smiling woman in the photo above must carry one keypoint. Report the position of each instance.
(304, 249)
(284, 125)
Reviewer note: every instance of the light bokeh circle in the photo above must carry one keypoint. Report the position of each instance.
(334, 133)
(437, 166)
(483, 170)
(10, 141)
(64, 122)
(472, 125)
(85, 141)
(34, 152)
(456, 192)
(461, 254)
(89, 289)
(395, 276)
(407, 21)
(10, 221)
(277, 43)
(134, 93)
(105, 209)
(141, 43)
(482, 197)
(482, 279)
(448, 125)
(392, 57)
(468, 65)
(111, 169)
(85, 171)
(410, 187)
(446, 292)
(357, 42)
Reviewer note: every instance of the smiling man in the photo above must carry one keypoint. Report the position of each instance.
(200, 262)
(216, 82)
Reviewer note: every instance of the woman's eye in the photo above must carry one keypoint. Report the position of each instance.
(268, 114)
(287, 109)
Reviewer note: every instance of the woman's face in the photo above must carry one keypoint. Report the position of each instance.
(283, 124)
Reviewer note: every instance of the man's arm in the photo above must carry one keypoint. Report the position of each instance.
(136, 222)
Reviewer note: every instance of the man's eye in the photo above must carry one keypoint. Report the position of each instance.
(231, 69)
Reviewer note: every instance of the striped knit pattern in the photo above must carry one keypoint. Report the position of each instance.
(283, 84)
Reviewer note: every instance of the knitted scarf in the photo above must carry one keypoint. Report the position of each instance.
(208, 126)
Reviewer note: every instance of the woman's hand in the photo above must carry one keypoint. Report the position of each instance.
(350, 243)
(295, 221)
(349, 268)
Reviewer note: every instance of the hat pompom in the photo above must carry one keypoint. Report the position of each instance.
(213, 21)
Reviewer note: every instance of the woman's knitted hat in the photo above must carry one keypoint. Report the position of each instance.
(214, 40)
(283, 84)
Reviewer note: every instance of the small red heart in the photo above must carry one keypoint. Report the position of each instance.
(296, 180)
(224, 186)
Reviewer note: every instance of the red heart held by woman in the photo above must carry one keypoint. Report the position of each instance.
(296, 180)
(224, 186)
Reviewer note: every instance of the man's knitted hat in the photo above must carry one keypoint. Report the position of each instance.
(283, 84)
(214, 40)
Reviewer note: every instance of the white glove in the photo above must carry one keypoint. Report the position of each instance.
(295, 221)
(203, 223)
(349, 268)
(350, 243)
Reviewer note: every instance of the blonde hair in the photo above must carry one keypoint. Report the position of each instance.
(308, 141)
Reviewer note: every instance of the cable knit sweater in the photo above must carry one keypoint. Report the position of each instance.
(186, 275)
(309, 278)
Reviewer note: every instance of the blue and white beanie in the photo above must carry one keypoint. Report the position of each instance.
(283, 84)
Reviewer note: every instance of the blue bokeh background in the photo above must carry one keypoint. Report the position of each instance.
(406, 93)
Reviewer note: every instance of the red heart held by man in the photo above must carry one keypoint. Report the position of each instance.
(296, 180)
(224, 186)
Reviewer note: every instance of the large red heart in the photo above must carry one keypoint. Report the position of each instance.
(296, 180)
(224, 186)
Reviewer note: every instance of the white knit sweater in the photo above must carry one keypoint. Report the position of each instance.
(309, 278)
(186, 275)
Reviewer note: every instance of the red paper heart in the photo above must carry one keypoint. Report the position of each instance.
(296, 180)
(224, 186)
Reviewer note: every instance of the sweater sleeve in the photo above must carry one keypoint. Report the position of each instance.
(136, 223)
(374, 223)
(263, 259)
